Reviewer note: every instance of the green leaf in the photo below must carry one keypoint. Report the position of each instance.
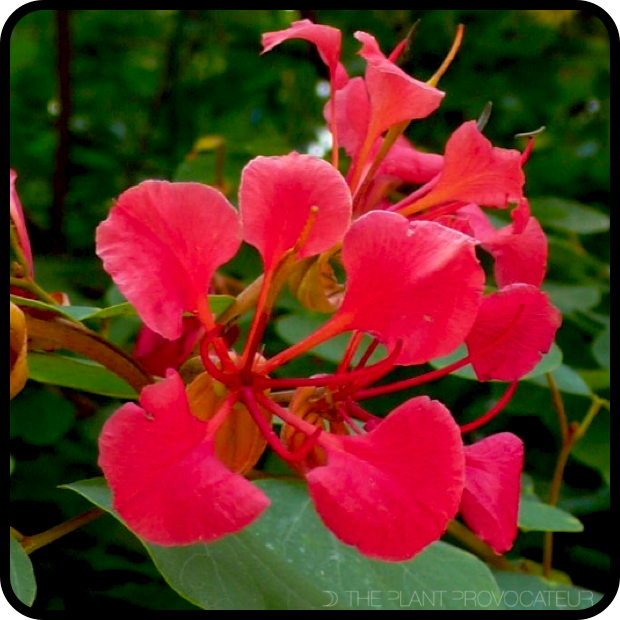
(41, 417)
(77, 374)
(217, 303)
(601, 348)
(572, 299)
(220, 303)
(595, 449)
(569, 381)
(22, 574)
(534, 516)
(521, 592)
(569, 216)
(288, 560)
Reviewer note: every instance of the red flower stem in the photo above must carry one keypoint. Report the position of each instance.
(372, 347)
(261, 318)
(499, 407)
(206, 318)
(334, 127)
(354, 344)
(332, 328)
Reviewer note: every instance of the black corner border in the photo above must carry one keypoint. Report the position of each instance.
(17, 14)
(12, 600)
(605, 17)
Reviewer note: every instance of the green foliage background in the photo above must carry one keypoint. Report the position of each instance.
(146, 85)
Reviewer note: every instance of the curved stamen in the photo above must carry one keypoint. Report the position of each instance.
(499, 407)
(349, 420)
(442, 372)
(366, 375)
(217, 373)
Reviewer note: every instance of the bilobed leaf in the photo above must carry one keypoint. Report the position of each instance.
(288, 560)
(22, 575)
(77, 374)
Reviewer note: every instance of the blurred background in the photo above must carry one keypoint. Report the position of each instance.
(102, 99)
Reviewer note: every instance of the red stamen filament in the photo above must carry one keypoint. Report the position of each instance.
(349, 421)
(499, 407)
(442, 372)
(252, 399)
(206, 318)
(354, 344)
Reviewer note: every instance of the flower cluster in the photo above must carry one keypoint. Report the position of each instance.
(177, 462)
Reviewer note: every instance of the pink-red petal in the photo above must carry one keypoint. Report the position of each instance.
(392, 493)
(162, 244)
(328, 41)
(167, 483)
(514, 328)
(277, 198)
(395, 96)
(476, 171)
(490, 505)
(417, 284)
(521, 250)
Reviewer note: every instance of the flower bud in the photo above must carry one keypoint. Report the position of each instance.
(18, 349)
(314, 283)
(239, 443)
(302, 405)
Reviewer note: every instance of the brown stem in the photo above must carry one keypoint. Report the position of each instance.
(32, 543)
(78, 339)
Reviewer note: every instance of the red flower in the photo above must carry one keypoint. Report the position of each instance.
(413, 282)
(162, 244)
